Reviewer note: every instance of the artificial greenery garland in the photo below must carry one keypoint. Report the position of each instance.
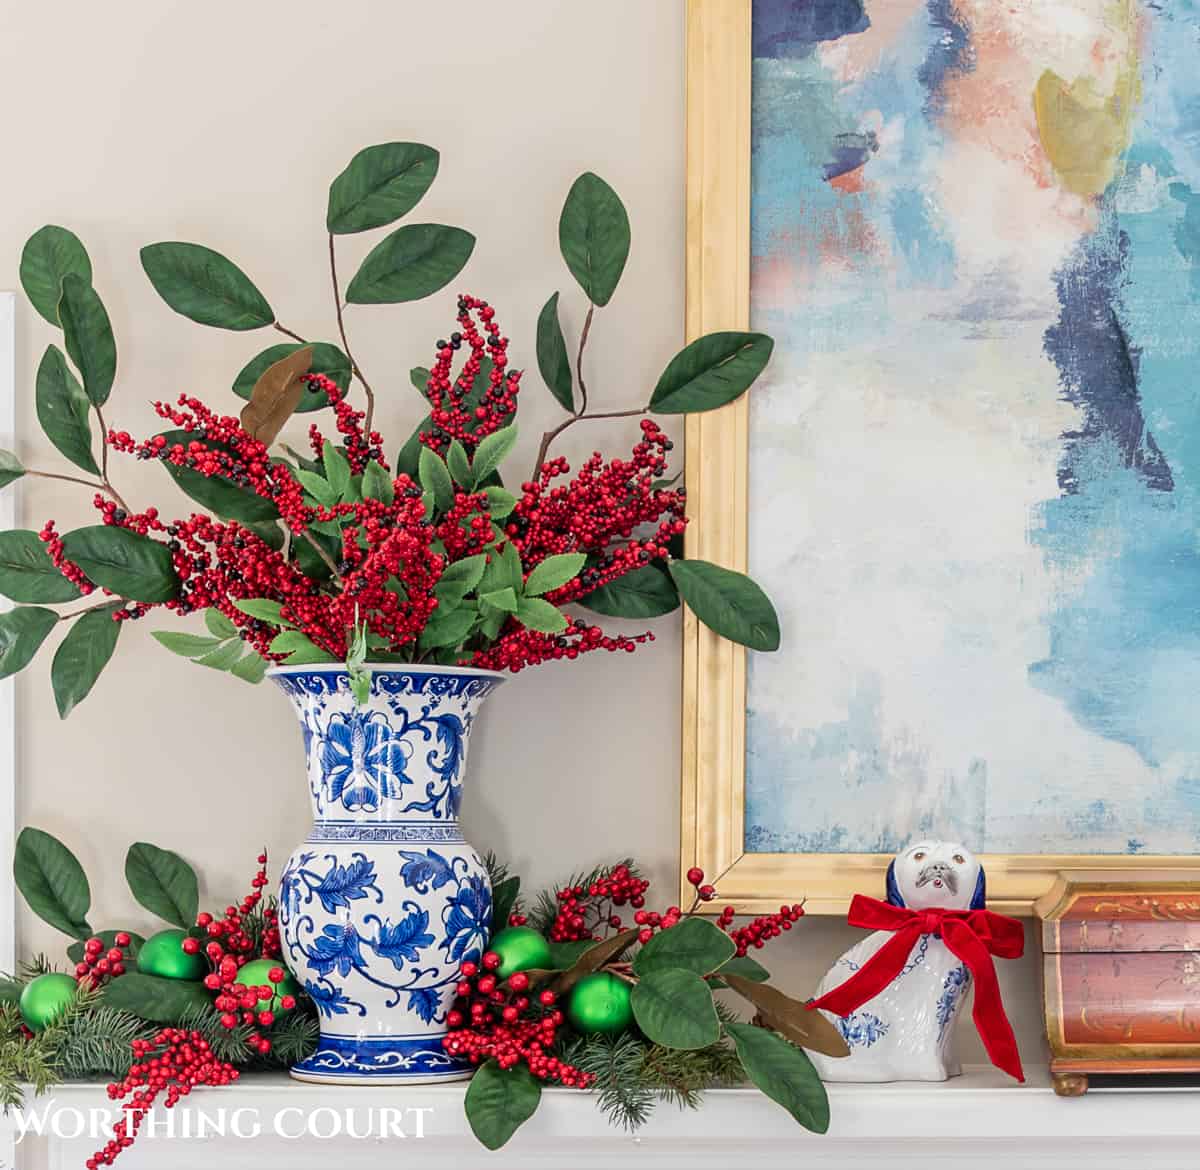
(568, 991)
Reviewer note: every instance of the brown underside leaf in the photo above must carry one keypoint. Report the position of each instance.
(790, 1017)
(595, 957)
(276, 395)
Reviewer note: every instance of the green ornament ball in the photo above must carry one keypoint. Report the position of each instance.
(162, 954)
(257, 973)
(45, 998)
(600, 1003)
(520, 948)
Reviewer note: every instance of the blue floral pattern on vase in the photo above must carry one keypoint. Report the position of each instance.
(954, 987)
(861, 1029)
(382, 904)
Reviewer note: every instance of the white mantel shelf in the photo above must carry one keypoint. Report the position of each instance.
(975, 1121)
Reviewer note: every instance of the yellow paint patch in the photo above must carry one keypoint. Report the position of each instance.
(1083, 132)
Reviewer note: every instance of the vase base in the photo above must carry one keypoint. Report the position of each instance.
(316, 1078)
(381, 1060)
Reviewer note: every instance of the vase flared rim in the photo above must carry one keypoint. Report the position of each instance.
(388, 668)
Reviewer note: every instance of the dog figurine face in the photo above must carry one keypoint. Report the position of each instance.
(937, 874)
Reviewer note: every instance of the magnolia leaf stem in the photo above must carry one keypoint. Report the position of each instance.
(67, 617)
(108, 487)
(354, 367)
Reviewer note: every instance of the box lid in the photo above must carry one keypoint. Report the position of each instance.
(1149, 913)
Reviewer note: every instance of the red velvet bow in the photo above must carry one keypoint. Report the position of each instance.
(972, 935)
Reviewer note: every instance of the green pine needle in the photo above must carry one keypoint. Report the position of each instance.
(616, 1062)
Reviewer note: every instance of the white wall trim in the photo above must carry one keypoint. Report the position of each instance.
(8, 751)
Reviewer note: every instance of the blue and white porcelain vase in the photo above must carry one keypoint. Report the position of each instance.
(384, 901)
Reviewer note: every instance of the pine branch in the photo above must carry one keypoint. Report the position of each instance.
(293, 1036)
(228, 1044)
(96, 1041)
(616, 1062)
(29, 969)
(23, 1061)
(498, 870)
(681, 1076)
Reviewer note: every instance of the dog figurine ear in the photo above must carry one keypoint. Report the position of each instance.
(893, 889)
(979, 898)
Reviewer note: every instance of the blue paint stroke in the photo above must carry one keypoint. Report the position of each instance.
(1097, 365)
(850, 151)
(785, 29)
(928, 254)
(951, 52)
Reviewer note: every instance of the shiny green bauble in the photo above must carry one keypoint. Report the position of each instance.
(520, 948)
(257, 973)
(45, 998)
(600, 1003)
(162, 954)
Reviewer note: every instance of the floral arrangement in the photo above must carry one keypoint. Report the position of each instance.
(348, 552)
(586, 987)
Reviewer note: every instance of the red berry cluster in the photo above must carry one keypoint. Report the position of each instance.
(229, 948)
(174, 1063)
(506, 1021)
(585, 909)
(359, 450)
(456, 412)
(100, 963)
(761, 930)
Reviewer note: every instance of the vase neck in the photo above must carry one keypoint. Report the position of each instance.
(393, 762)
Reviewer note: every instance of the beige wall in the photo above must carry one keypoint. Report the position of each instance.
(223, 123)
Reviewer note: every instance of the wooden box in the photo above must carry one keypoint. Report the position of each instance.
(1121, 975)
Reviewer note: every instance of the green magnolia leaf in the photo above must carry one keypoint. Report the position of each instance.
(411, 263)
(647, 592)
(447, 628)
(675, 1008)
(134, 566)
(52, 882)
(337, 469)
(186, 645)
(82, 655)
(326, 359)
(564, 955)
(499, 1101)
(458, 464)
(64, 411)
(251, 669)
(318, 487)
(50, 254)
(460, 577)
(75, 951)
(728, 603)
(713, 370)
(223, 657)
(10, 468)
(151, 997)
(504, 898)
(501, 502)
(377, 484)
(746, 967)
(553, 362)
(505, 599)
(88, 336)
(205, 287)
(163, 883)
(409, 457)
(381, 184)
(226, 499)
(268, 531)
(219, 625)
(419, 376)
(300, 650)
(535, 614)
(693, 945)
(782, 1071)
(264, 610)
(22, 631)
(593, 236)
(492, 451)
(435, 478)
(553, 573)
(27, 573)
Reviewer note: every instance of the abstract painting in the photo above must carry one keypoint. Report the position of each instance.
(975, 469)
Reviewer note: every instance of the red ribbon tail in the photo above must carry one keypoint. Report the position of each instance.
(988, 1013)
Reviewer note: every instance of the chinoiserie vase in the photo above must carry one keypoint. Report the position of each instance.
(384, 901)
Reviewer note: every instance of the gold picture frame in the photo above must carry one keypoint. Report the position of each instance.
(714, 679)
